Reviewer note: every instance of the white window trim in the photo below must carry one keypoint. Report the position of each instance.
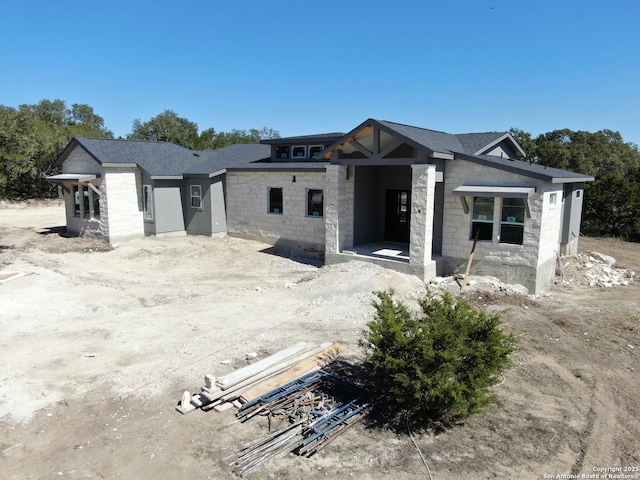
(304, 147)
(192, 189)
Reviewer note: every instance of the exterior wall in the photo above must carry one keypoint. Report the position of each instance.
(527, 264)
(550, 233)
(218, 206)
(122, 187)
(167, 206)
(79, 161)
(197, 220)
(247, 208)
(572, 216)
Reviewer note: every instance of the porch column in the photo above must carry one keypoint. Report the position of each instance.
(335, 221)
(423, 184)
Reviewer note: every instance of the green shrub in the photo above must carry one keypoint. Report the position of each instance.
(437, 365)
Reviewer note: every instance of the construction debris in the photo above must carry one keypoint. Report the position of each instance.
(317, 408)
(593, 269)
(291, 385)
(256, 379)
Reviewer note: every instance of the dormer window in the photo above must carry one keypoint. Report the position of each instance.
(314, 150)
(299, 151)
(282, 151)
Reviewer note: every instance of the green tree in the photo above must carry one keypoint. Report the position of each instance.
(611, 201)
(169, 127)
(31, 138)
(526, 141)
(439, 364)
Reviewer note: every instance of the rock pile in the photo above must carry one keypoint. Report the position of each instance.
(593, 269)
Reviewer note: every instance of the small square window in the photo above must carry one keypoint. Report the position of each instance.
(275, 200)
(553, 199)
(315, 203)
(314, 150)
(282, 151)
(196, 196)
(299, 151)
(578, 193)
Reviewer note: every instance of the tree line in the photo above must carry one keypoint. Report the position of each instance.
(32, 137)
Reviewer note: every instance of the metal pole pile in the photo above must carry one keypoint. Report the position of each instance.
(318, 408)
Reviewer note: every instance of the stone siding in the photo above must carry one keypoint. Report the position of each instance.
(528, 263)
(248, 215)
(122, 188)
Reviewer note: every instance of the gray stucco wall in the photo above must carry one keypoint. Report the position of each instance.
(571, 217)
(218, 207)
(197, 220)
(167, 196)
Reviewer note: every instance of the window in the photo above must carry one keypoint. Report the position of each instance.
(282, 151)
(299, 151)
(275, 200)
(76, 201)
(196, 196)
(482, 219)
(314, 150)
(147, 202)
(85, 202)
(512, 221)
(96, 205)
(553, 199)
(315, 203)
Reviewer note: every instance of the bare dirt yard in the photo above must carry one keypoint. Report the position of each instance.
(98, 344)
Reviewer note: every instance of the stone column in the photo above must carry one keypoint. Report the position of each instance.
(334, 216)
(423, 184)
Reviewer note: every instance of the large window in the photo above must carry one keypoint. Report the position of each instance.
(315, 202)
(512, 221)
(86, 202)
(275, 200)
(147, 202)
(482, 219)
(76, 201)
(96, 205)
(195, 192)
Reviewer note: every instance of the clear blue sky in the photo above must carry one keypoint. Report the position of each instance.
(309, 67)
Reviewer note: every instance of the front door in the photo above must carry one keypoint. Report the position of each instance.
(397, 213)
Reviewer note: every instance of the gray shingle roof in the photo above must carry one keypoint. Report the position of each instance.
(319, 138)
(533, 170)
(163, 159)
(473, 142)
(431, 139)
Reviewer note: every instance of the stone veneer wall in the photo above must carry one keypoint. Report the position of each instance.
(530, 264)
(122, 188)
(247, 208)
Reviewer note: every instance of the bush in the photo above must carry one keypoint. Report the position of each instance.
(437, 365)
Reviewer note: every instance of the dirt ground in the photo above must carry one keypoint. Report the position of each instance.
(98, 344)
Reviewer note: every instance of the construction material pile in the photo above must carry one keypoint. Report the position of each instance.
(291, 386)
(593, 269)
(315, 408)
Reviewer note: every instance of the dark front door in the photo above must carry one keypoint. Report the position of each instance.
(397, 213)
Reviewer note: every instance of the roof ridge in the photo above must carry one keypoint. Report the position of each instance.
(418, 128)
(132, 140)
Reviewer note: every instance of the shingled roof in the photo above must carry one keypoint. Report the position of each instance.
(164, 159)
